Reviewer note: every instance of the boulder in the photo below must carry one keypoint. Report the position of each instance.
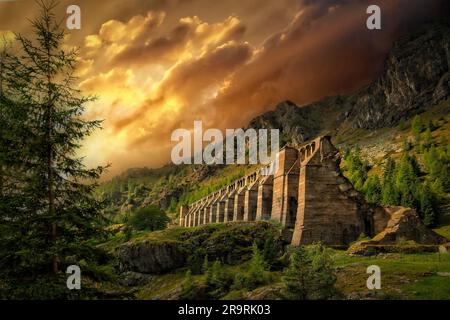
(405, 224)
(151, 257)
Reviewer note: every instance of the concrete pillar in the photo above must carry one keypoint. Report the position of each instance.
(251, 201)
(285, 188)
(229, 208)
(238, 209)
(212, 213)
(194, 218)
(206, 212)
(201, 218)
(220, 213)
(199, 215)
(183, 212)
(264, 200)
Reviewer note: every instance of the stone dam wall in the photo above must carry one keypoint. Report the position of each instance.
(307, 195)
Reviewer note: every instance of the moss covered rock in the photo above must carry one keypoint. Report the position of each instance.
(163, 251)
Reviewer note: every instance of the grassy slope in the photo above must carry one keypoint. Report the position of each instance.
(413, 276)
(404, 276)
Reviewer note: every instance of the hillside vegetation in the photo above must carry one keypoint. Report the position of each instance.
(249, 261)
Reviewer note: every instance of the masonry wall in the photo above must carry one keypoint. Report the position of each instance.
(285, 188)
(239, 201)
(251, 202)
(307, 193)
(264, 200)
(325, 213)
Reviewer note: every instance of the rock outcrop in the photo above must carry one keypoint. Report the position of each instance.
(151, 257)
(405, 223)
(403, 233)
(416, 76)
(230, 243)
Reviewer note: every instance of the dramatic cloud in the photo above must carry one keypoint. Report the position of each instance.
(159, 65)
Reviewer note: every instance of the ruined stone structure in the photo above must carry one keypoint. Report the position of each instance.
(307, 194)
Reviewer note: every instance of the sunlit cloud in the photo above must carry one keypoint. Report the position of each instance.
(156, 66)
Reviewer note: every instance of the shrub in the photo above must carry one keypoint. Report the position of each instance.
(150, 218)
(270, 252)
(196, 260)
(256, 275)
(217, 280)
(188, 288)
(309, 275)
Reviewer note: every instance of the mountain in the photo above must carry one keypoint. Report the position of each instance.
(415, 79)
(416, 76)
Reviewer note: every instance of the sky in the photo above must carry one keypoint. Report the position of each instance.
(157, 66)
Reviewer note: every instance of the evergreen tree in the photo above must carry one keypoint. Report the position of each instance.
(54, 212)
(257, 265)
(256, 274)
(188, 288)
(406, 181)
(309, 275)
(205, 267)
(428, 206)
(357, 169)
(427, 141)
(417, 125)
(270, 251)
(372, 189)
(217, 280)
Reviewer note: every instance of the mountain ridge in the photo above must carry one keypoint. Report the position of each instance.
(397, 94)
(412, 80)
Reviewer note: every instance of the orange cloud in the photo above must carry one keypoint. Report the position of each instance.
(155, 73)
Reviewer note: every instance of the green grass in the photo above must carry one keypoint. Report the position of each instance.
(429, 288)
(404, 276)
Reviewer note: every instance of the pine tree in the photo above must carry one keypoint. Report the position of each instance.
(257, 265)
(372, 189)
(357, 169)
(270, 251)
(55, 212)
(417, 125)
(188, 288)
(428, 206)
(309, 275)
(406, 181)
(256, 273)
(427, 141)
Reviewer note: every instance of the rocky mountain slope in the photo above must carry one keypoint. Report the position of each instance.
(415, 79)
(416, 76)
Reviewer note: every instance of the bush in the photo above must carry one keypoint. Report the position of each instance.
(217, 280)
(150, 218)
(310, 275)
(271, 252)
(195, 261)
(188, 288)
(256, 275)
